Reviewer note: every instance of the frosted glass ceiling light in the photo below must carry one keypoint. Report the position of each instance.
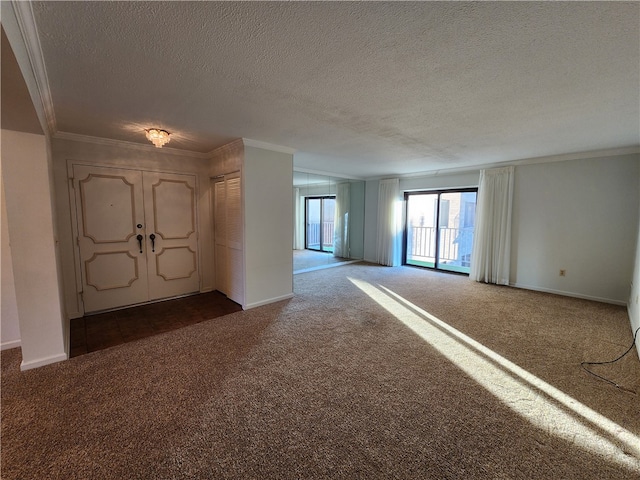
(157, 136)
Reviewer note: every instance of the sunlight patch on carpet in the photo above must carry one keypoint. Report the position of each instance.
(540, 403)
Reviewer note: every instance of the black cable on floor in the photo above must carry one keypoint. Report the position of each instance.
(612, 361)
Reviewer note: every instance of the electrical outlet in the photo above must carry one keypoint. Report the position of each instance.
(563, 272)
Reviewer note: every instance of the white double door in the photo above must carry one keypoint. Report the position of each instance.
(137, 235)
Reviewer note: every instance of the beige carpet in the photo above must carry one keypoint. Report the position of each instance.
(355, 377)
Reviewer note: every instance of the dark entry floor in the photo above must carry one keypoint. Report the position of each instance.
(103, 330)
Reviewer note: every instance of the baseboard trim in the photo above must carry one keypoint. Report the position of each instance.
(41, 362)
(634, 327)
(249, 306)
(10, 345)
(568, 294)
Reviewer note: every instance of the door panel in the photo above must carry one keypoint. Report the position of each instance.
(109, 270)
(455, 230)
(173, 206)
(171, 217)
(113, 220)
(175, 263)
(110, 206)
(421, 229)
(320, 223)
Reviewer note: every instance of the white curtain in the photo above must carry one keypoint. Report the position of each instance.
(298, 220)
(341, 221)
(491, 253)
(389, 220)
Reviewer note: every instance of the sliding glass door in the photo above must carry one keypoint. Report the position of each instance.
(320, 215)
(439, 231)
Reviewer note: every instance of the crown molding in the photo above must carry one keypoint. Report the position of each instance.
(612, 152)
(326, 174)
(75, 137)
(268, 146)
(235, 145)
(27, 25)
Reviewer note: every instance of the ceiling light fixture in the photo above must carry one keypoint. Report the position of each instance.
(158, 136)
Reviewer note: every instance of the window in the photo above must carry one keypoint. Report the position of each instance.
(447, 247)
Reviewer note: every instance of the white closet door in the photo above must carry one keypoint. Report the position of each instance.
(220, 235)
(228, 236)
(113, 262)
(171, 234)
(235, 231)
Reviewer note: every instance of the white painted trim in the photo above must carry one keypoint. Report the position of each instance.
(10, 345)
(613, 152)
(27, 24)
(131, 145)
(227, 147)
(633, 330)
(568, 294)
(268, 301)
(41, 362)
(326, 174)
(268, 146)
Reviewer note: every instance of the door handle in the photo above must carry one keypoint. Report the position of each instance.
(139, 238)
(153, 242)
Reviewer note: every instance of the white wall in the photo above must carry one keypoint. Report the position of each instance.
(28, 189)
(66, 151)
(9, 322)
(268, 204)
(434, 182)
(580, 216)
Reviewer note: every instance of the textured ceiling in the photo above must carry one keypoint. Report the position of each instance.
(357, 88)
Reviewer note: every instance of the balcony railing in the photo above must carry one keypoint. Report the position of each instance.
(455, 245)
(313, 236)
